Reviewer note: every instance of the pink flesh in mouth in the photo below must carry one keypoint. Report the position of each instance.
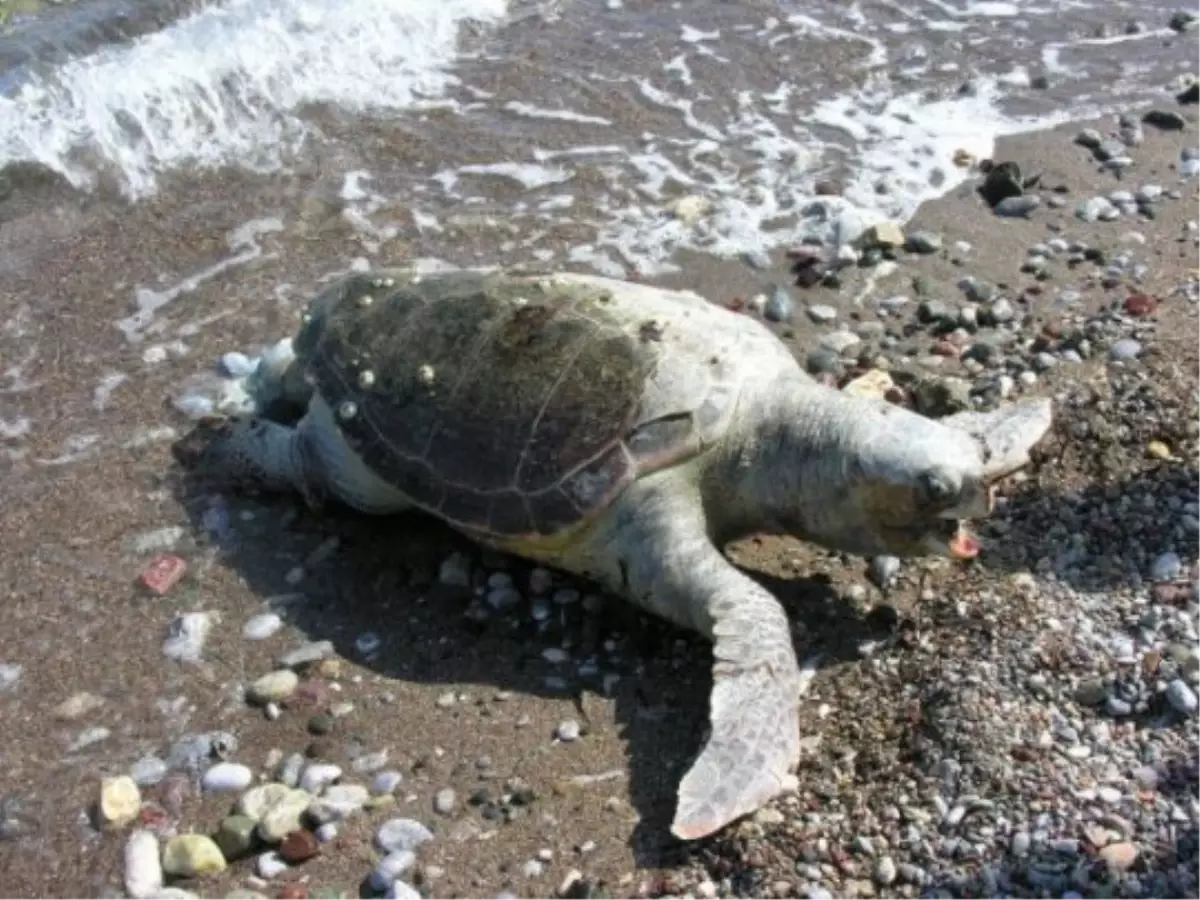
(964, 546)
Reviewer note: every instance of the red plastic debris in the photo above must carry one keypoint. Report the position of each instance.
(1140, 305)
(163, 573)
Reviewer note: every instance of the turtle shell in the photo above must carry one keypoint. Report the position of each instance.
(508, 406)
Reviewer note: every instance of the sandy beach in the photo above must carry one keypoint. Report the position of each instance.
(1021, 726)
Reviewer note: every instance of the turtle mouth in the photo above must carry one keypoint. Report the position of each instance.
(963, 544)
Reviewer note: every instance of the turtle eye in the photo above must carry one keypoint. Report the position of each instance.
(939, 488)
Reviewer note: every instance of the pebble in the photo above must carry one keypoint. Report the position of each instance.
(1125, 349)
(1181, 697)
(258, 800)
(885, 870)
(402, 890)
(386, 783)
(261, 627)
(236, 835)
(923, 242)
(284, 817)
(532, 869)
(186, 636)
(227, 778)
(338, 803)
(568, 730)
(192, 856)
(1096, 209)
(455, 571)
(10, 674)
(1166, 567)
(1018, 207)
(1119, 856)
(838, 342)
(306, 654)
(779, 306)
(445, 801)
(390, 867)
(299, 846)
(273, 687)
(884, 570)
(143, 867)
(270, 865)
(402, 834)
(1020, 844)
(318, 776)
(119, 803)
(148, 771)
(822, 313)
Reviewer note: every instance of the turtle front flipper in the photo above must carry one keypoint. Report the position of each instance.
(755, 738)
(667, 563)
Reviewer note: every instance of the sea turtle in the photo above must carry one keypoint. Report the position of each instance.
(625, 433)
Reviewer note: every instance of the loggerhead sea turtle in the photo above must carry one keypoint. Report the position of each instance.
(624, 433)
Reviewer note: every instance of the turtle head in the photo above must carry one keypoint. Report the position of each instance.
(912, 481)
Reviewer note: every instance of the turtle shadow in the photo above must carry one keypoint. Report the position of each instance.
(1105, 534)
(380, 576)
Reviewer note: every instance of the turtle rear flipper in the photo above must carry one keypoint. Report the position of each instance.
(755, 738)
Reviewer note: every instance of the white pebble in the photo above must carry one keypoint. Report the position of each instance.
(238, 365)
(402, 834)
(401, 890)
(261, 627)
(143, 866)
(386, 783)
(186, 636)
(319, 775)
(326, 833)
(532, 869)
(391, 867)
(444, 801)
(227, 778)
(568, 730)
(270, 865)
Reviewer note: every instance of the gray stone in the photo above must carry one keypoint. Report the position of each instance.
(779, 306)
(1167, 567)
(822, 313)
(1181, 697)
(884, 570)
(1018, 207)
(1125, 349)
(923, 242)
(402, 834)
(839, 342)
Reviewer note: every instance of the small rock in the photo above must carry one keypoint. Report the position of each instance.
(532, 869)
(284, 817)
(885, 871)
(273, 687)
(306, 654)
(568, 730)
(822, 314)
(319, 775)
(119, 803)
(886, 235)
(1091, 692)
(455, 571)
(1017, 207)
(148, 771)
(394, 865)
(338, 803)
(445, 801)
(299, 846)
(1165, 120)
(884, 570)
(1119, 857)
(191, 856)
(164, 572)
(1003, 182)
(923, 242)
(779, 307)
(261, 627)
(258, 800)
(77, 706)
(1181, 697)
(227, 778)
(386, 783)
(839, 342)
(143, 868)
(1125, 349)
(1166, 567)
(402, 890)
(186, 636)
(1096, 209)
(402, 834)
(270, 865)
(236, 836)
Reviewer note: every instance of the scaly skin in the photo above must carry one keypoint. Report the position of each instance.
(848, 473)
